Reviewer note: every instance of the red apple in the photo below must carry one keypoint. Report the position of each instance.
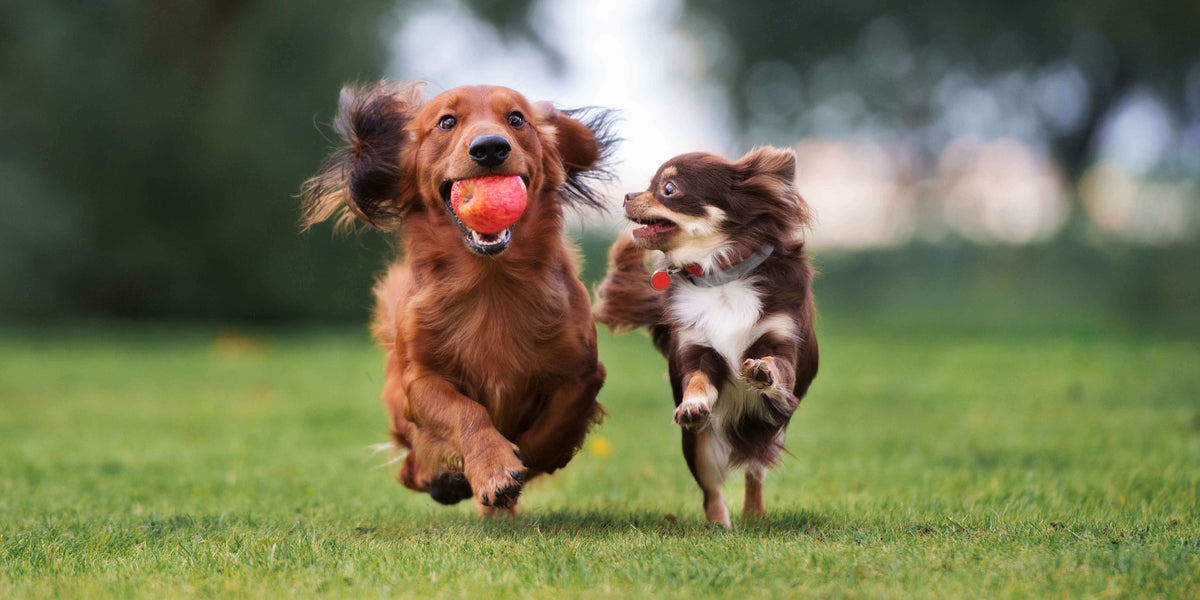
(488, 204)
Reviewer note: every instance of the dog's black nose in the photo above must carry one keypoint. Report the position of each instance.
(489, 150)
(630, 196)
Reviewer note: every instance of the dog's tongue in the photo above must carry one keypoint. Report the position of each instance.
(488, 204)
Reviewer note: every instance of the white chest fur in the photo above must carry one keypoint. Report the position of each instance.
(722, 318)
(726, 318)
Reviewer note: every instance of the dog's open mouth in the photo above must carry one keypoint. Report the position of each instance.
(487, 244)
(652, 227)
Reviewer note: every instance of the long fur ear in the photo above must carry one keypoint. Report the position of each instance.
(771, 162)
(364, 178)
(585, 141)
(771, 172)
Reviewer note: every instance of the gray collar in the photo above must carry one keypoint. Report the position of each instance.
(717, 277)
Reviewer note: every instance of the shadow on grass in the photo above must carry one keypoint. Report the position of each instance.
(584, 523)
(578, 524)
(819, 527)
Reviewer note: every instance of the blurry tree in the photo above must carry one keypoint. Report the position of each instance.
(151, 150)
(151, 153)
(1050, 73)
(1074, 60)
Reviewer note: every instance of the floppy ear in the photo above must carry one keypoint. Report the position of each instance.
(364, 178)
(584, 141)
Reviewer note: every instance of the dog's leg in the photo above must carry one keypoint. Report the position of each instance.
(699, 394)
(771, 375)
(702, 368)
(439, 467)
(491, 463)
(413, 474)
(693, 380)
(708, 457)
(494, 511)
(432, 464)
(754, 507)
(769, 364)
(559, 431)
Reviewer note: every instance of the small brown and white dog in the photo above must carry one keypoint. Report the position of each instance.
(730, 306)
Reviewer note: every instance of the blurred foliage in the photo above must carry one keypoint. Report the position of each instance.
(888, 66)
(1063, 285)
(891, 57)
(151, 153)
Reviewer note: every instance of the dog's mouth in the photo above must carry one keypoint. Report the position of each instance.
(652, 227)
(485, 244)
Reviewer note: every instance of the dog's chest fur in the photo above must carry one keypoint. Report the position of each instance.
(727, 319)
(721, 317)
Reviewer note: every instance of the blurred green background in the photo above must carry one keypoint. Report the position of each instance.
(151, 152)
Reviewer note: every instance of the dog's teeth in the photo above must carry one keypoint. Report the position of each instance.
(491, 239)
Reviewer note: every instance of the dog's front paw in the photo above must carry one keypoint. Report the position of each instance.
(758, 373)
(692, 415)
(497, 482)
(502, 489)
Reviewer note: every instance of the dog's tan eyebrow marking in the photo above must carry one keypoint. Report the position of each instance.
(451, 104)
(669, 172)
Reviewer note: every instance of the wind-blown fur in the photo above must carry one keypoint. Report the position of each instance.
(491, 371)
(741, 353)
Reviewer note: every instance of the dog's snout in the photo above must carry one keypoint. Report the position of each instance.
(631, 196)
(489, 150)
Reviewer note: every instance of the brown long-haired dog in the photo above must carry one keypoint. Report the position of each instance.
(730, 307)
(491, 371)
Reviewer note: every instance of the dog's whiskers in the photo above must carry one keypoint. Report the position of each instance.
(399, 453)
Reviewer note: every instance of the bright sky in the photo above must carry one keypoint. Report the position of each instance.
(634, 56)
(626, 55)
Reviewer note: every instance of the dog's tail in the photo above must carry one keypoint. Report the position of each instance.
(625, 300)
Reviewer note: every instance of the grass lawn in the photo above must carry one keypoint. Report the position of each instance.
(925, 463)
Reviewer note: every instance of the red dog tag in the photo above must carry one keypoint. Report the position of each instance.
(660, 280)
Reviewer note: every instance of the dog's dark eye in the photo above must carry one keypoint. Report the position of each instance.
(669, 188)
(447, 122)
(516, 120)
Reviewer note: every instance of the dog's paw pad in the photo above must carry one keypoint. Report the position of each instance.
(692, 415)
(757, 373)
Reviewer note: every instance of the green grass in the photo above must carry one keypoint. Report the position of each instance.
(925, 463)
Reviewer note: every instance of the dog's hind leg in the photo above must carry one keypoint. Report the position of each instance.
(754, 507)
(708, 458)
